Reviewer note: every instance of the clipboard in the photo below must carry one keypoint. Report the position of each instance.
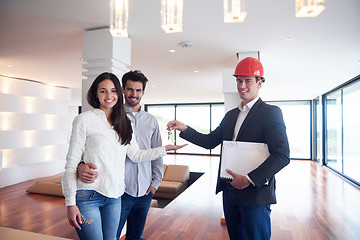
(242, 157)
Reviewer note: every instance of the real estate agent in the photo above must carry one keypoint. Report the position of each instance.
(247, 199)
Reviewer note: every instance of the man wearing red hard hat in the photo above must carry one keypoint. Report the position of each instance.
(247, 199)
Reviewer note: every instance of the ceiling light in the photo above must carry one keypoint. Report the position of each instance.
(309, 8)
(234, 11)
(185, 44)
(119, 13)
(171, 15)
(172, 50)
(196, 71)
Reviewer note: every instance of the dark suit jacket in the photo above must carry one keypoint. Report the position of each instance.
(263, 124)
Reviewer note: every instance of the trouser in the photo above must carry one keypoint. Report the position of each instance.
(244, 222)
(101, 215)
(134, 210)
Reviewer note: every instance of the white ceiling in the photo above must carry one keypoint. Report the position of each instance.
(42, 40)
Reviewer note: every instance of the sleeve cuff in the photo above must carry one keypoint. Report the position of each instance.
(247, 176)
(163, 153)
(70, 201)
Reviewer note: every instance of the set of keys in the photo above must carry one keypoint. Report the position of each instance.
(171, 137)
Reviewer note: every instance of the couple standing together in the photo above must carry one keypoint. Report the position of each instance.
(103, 139)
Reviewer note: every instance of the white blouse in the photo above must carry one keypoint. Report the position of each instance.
(93, 140)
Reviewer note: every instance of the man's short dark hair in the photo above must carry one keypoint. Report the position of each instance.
(260, 78)
(135, 76)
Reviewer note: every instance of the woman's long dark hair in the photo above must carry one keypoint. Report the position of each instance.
(120, 121)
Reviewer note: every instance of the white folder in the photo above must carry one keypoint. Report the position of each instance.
(242, 157)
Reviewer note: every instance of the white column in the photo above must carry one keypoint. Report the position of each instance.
(103, 53)
(231, 96)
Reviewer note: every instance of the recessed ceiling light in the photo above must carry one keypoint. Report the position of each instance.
(185, 44)
(290, 39)
(172, 50)
(196, 71)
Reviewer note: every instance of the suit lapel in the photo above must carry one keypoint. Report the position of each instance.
(249, 117)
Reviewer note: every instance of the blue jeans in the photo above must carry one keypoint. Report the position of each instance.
(134, 210)
(244, 222)
(101, 215)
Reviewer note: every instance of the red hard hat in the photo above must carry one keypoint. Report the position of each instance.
(249, 67)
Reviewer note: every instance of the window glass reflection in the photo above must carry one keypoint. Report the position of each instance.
(351, 128)
(164, 114)
(198, 117)
(334, 131)
(202, 117)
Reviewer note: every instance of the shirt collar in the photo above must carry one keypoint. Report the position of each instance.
(248, 105)
(100, 113)
(129, 110)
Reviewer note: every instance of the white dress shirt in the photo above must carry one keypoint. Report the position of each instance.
(139, 176)
(244, 111)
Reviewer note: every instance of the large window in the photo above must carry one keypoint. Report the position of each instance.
(164, 114)
(198, 117)
(203, 117)
(343, 130)
(351, 129)
(297, 118)
(206, 117)
(334, 131)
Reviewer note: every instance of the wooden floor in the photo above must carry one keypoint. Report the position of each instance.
(313, 203)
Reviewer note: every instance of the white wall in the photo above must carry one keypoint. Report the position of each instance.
(34, 130)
